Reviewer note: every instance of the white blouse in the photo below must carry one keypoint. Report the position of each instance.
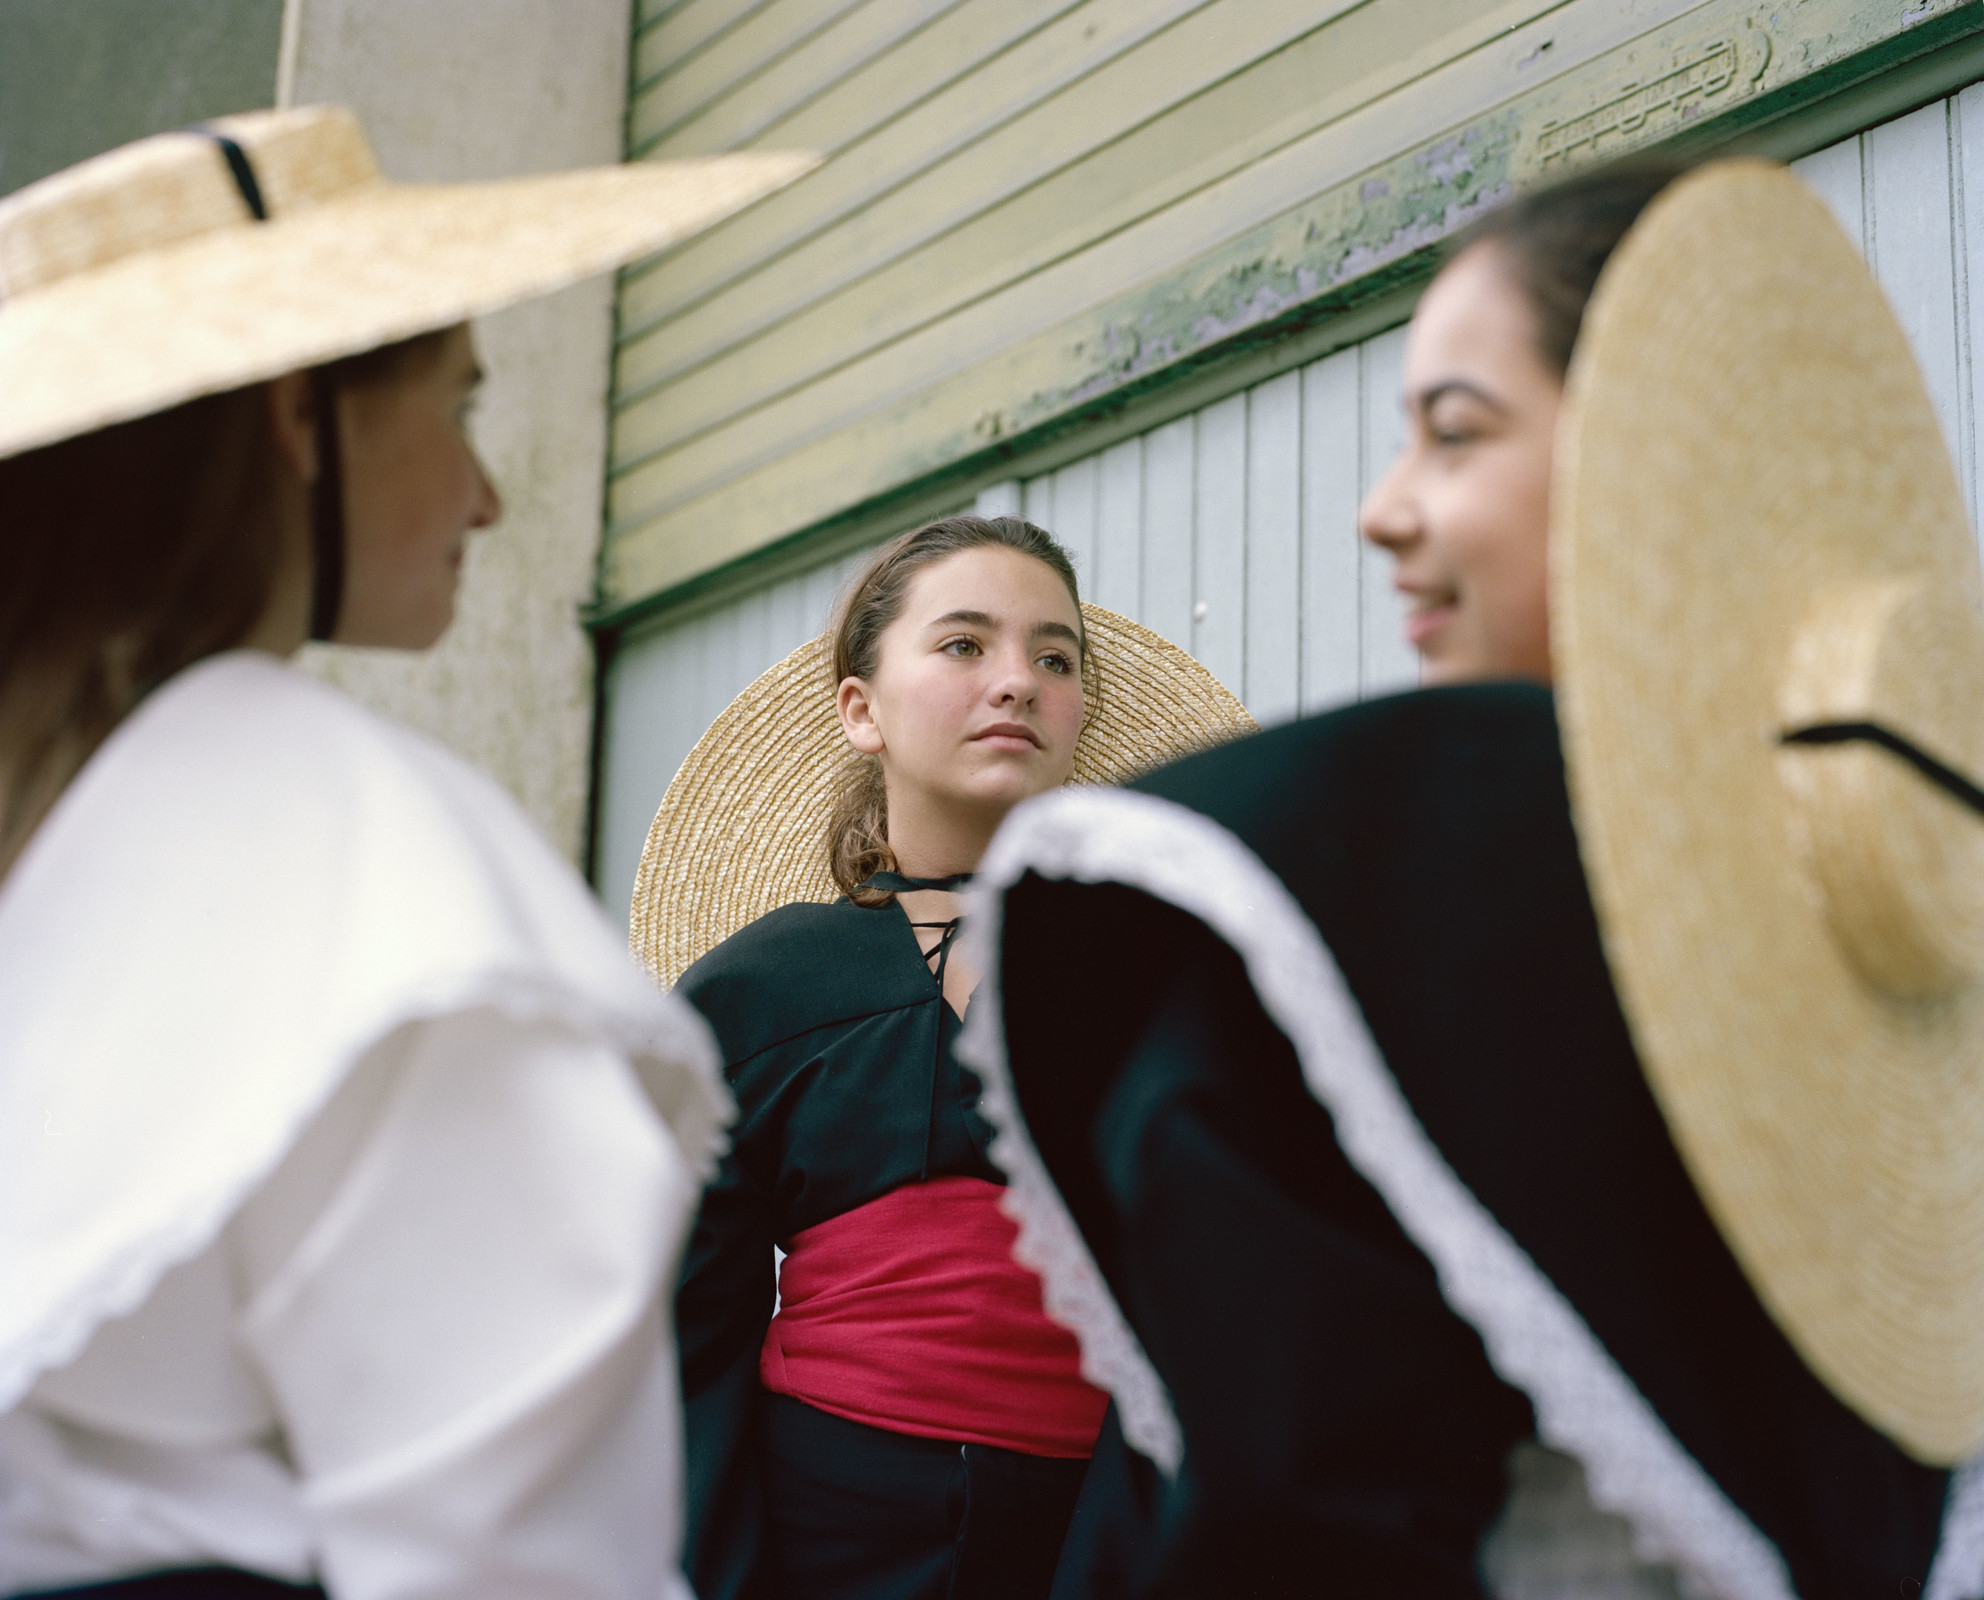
(337, 1221)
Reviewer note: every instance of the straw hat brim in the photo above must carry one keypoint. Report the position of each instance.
(742, 828)
(365, 268)
(1746, 440)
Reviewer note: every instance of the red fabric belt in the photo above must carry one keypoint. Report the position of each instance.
(910, 1314)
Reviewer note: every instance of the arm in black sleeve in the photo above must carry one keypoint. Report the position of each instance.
(722, 1309)
(1343, 1430)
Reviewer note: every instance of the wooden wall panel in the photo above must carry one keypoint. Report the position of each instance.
(773, 94)
(1271, 560)
(1219, 531)
(1116, 577)
(1910, 243)
(1332, 485)
(1170, 491)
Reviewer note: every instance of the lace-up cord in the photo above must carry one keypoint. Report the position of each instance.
(939, 954)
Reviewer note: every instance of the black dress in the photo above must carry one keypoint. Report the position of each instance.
(838, 1045)
(1347, 1393)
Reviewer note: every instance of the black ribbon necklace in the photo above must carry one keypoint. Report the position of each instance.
(896, 883)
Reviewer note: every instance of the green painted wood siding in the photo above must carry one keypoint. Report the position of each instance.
(978, 151)
(1231, 528)
(1032, 208)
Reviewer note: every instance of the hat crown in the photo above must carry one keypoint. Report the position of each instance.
(1899, 865)
(173, 187)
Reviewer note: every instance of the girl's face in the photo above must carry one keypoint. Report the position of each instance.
(1465, 509)
(414, 491)
(976, 699)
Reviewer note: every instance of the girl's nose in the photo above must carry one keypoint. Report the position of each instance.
(1013, 682)
(1387, 517)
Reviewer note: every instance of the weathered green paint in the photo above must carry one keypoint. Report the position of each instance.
(1704, 80)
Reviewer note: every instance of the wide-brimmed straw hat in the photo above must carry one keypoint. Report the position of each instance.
(742, 829)
(144, 277)
(1765, 607)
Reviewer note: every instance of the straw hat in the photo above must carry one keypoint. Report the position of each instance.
(1757, 531)
(143, 278)
(742, 829)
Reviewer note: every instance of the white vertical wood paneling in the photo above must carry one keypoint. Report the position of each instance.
(821, 588)
(1116, 580)
(1385, 661)
(1219, 542)
(788, 617)
(1232, 530)
(1000, 500)
(1075, 494)
(1331, 489)
(1835, 173)
(1037, 500)
(1967, 161)
(1911, 244)
(1272, 684)
(1169, 467)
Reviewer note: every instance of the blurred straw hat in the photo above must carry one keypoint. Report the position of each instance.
(142, 278)
(1757, 531)
(742, 829)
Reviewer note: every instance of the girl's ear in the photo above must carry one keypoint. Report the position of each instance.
(857, 717)
(293, 423)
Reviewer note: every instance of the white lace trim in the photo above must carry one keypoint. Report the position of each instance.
(1958, 1570)
(1585, 1405)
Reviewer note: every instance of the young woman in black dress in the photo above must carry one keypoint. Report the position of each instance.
(891, 1415)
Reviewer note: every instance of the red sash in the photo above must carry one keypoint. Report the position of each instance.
(910, 1314)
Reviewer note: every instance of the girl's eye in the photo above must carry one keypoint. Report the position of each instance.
(960, 647)
(1056, 662)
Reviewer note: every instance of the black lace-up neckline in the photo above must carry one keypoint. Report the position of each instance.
(937, 958)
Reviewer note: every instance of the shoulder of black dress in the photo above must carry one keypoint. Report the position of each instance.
(801, 967)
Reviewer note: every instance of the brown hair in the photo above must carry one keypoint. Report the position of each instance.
(858, 829)
(1557, 240)
(126, 555)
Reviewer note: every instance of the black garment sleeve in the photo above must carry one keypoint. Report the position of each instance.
(1342, 1425)
(729, 1287)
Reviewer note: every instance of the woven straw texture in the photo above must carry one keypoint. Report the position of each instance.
(742, 829)
(1757, 527)
(139, 280)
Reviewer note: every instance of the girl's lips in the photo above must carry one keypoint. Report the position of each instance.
(1006, 741)
(1422, 622)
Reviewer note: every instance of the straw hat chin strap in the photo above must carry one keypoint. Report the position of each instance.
(327, 494)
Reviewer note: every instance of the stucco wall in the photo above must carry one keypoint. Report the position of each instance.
(468, 89)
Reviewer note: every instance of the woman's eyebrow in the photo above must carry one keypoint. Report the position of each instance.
(1433, 393)
(971, 619)
(1056, 630)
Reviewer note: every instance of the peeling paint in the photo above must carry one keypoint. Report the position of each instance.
(1405, 206)
(1356, 240)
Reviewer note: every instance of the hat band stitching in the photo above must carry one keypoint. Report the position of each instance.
(1948, 779)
